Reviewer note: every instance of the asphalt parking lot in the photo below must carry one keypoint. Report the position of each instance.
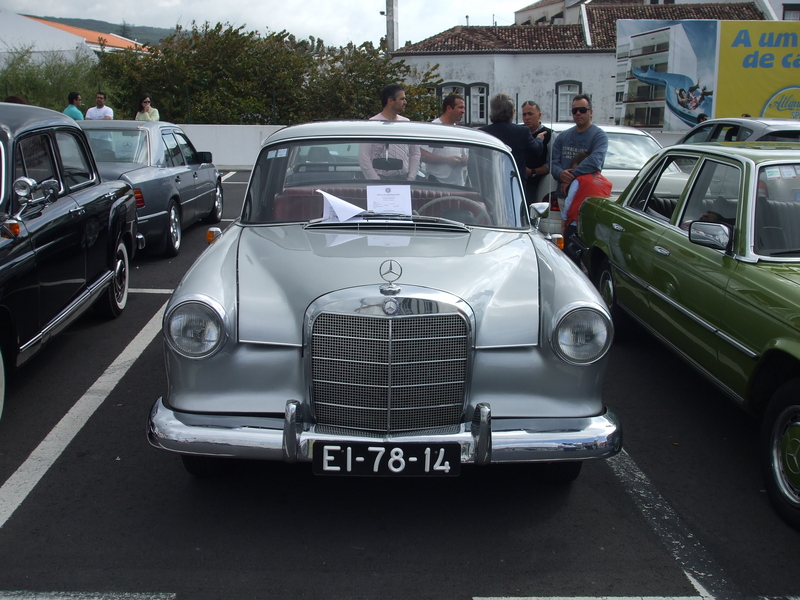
(89, 510)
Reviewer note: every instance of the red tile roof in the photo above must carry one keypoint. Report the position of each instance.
(93, 37)
(602, 17)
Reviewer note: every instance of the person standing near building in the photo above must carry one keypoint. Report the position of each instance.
(447, 164)
(584, 137)
(73, 110)
(393, 100)
(100, 112)
(523, 145)
(536, 169)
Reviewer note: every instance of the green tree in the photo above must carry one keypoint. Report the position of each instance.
(45, 79)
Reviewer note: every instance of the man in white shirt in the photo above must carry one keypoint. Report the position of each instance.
(393, 100)
(447, 164)
(101, 112)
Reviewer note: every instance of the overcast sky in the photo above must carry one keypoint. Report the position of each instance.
(336, 22)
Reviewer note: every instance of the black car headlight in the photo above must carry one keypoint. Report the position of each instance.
(194, 329)
(582, 335)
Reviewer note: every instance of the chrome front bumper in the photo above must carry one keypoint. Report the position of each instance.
(483, 441)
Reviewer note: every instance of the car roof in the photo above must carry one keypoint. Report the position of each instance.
(767, 122)
(381, 129)
(560, 126)
(19, 118)
(123, 124)
(755, 151)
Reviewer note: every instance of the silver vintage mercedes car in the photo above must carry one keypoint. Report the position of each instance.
(385, 306)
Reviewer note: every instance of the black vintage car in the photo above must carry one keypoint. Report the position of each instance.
(66, 237)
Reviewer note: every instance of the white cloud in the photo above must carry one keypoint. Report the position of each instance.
(336, 23)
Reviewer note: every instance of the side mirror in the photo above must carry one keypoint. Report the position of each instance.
(539, 210)
(204, 157)
(711, 235)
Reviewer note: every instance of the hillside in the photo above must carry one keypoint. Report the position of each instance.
(143, 35)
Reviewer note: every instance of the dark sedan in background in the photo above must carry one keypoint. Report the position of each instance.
(175, 185)
(741, 129)
(66, 237)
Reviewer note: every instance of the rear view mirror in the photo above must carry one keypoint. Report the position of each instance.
(204, 157)
(387, 164)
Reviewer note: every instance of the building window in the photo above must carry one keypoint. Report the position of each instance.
(478, 102)
(566, 91)
(475, 97)
(791, 12)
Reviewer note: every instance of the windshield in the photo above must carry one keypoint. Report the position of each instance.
(118, 145)
(777, 220)
(339, 180)
(629, 152)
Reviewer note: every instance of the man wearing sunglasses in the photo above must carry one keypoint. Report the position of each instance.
(584, 137)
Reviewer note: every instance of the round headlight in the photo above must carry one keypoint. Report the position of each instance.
(194, 329)
(582, 336)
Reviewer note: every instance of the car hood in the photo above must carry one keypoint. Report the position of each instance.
(284, 269)
(114, 170)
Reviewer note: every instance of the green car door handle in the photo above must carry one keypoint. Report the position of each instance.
(660, 250)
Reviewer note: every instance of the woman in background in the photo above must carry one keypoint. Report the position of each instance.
(146, 110)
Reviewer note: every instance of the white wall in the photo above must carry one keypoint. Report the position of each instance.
(232, 146)
(533, 76)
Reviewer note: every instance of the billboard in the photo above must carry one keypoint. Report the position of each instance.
(678, 71)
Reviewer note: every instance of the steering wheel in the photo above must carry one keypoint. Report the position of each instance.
(483, 217)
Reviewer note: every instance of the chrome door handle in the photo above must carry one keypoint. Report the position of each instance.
(617, 227)
(661, 251)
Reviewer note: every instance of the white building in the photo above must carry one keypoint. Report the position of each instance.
(571, 50)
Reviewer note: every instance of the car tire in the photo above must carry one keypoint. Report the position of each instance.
(780, 451)
(603, 279)
(215, 216)
(174, 233)
(561, 472)
(116, 298)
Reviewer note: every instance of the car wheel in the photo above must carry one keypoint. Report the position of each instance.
(604, 282)
(174, 234)
(205, 467)
(561, 472)
(116, 298)
(780, 451)
(215, 216)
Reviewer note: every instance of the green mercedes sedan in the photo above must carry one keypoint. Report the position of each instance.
(703, 250)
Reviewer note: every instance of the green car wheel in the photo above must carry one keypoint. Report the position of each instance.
(780, 451)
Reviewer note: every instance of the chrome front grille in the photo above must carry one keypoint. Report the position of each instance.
(388, 375)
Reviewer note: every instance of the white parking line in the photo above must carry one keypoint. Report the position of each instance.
(82, 596)
(228, 175)
(149, 291)
(21, 483)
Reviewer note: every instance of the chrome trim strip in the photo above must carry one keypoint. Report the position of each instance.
(512, 440)
(704, 324)
(290, 431)
(63, 319)
(699, 320)
(681, 354)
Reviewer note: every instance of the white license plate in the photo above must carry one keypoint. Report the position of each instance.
(387, 460)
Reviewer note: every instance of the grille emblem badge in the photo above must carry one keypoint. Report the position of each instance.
(390, 306)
